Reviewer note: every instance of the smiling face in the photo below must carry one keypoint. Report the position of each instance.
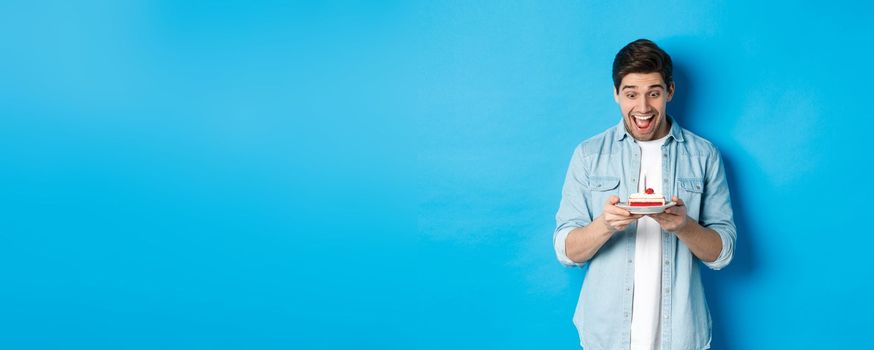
(643, 99)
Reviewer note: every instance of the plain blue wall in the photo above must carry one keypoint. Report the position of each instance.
(385, 175)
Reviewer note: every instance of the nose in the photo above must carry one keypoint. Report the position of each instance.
(643, 105)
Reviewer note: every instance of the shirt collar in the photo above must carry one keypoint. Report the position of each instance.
(676, 132)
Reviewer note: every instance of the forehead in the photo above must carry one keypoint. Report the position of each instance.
(642, 80)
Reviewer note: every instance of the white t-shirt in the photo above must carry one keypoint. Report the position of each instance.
(647, 256)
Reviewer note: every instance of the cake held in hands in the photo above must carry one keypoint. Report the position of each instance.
(647, 199)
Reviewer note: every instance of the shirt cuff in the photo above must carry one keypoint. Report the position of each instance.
(560, 252)
(725, 255)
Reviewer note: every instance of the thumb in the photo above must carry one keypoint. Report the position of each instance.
(613, 200)
(677, 200)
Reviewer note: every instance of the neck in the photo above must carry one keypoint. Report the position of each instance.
(666, 128)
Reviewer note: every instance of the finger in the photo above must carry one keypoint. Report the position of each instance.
(680, 210)
(622, 226)
(625, 222)
(663, 218)
(613, 200)
(614, 219)
(612, 209)
(678, 201)
(632, 218)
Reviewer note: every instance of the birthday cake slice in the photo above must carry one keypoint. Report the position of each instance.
(647, 199)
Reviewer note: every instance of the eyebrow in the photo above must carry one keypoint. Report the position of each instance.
(651, 86)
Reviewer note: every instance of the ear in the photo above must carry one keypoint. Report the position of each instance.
(615, 95)
(670, 91)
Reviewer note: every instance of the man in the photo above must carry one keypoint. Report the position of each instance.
(643, 286)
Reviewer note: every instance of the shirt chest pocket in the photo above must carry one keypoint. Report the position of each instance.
(603, 183)
(601, 188)
(691, 185)
(690, 191)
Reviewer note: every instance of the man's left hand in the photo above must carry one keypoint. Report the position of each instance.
(674, 218)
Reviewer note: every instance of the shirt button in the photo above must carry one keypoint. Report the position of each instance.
(667, 262)
(629, 261)
(666, 155)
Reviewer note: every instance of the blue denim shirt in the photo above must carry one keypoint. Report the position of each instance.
(609, 164)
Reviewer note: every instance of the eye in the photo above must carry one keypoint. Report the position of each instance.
(654, 94)
(630, 95)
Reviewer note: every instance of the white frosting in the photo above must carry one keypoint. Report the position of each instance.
(645, 196)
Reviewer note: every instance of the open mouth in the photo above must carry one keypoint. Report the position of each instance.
(643, 122)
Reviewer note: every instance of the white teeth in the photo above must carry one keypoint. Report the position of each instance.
(644, 117)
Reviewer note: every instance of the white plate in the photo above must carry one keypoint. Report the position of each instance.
(646, 210)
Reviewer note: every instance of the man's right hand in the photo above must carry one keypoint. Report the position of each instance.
(616, 218)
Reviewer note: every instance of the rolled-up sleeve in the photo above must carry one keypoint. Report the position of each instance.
(716, 212)
(573, 211)
(559, 240)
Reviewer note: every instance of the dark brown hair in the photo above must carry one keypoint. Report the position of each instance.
(642, 56)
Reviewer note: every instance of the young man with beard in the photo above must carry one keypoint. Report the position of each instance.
(643, 286)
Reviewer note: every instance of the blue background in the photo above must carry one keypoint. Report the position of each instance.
(261, 175)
